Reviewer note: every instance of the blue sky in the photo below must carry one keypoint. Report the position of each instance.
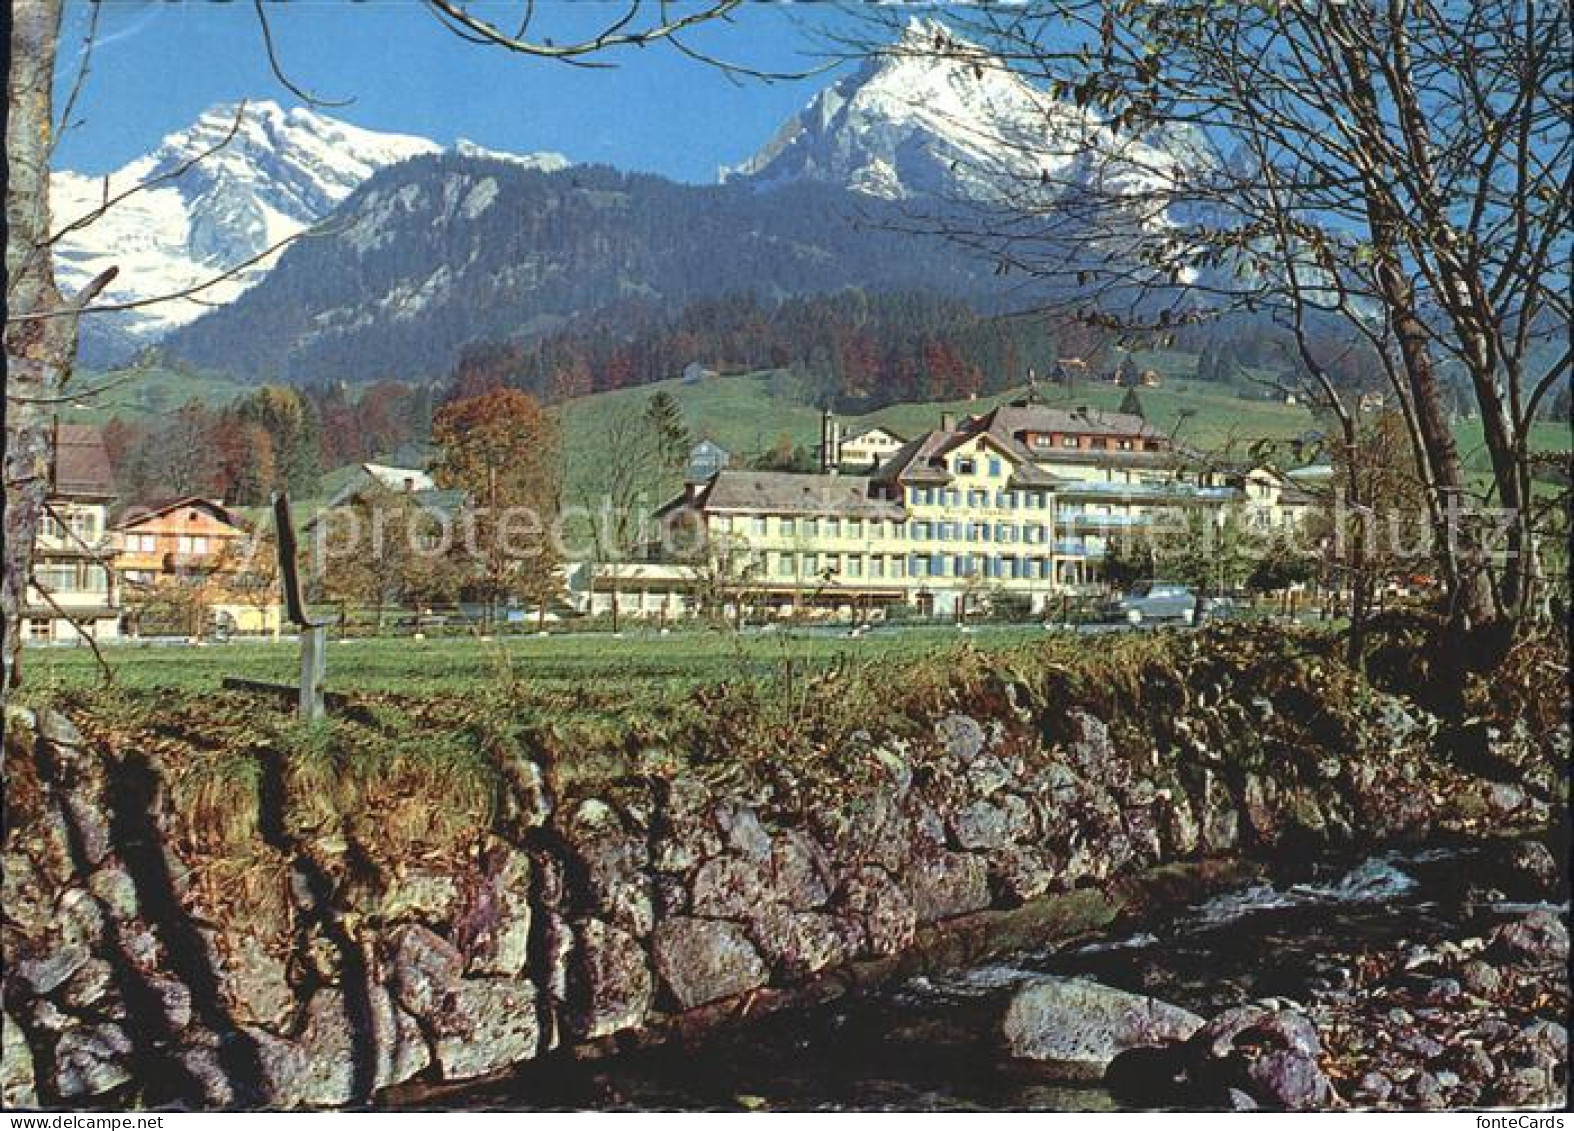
(157, 65)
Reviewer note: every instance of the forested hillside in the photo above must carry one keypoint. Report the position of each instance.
(440, 252)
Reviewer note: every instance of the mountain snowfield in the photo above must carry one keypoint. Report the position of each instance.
(935, 116)
(210, 204)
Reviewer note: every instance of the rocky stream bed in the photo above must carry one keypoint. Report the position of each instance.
(1426, 978)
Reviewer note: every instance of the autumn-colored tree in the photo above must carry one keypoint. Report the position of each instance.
(292, 422)
(620, 371)
(406, 556)
(504, 452)
(248, 471)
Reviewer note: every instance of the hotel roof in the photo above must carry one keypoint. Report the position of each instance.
(786, 492)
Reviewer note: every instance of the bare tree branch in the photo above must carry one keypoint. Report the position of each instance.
(278, 68)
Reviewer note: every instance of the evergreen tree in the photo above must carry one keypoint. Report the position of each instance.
(1132, 404)
(673, 440)
(1207, 365)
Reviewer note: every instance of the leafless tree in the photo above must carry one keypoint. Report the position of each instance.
(1399, 169)
(629, 460)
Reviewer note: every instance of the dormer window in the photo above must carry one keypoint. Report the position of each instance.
(1068, 441)
(966, 466)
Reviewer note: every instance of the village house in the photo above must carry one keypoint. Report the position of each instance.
(198, 542)
(706, 458)
(74, 593)
(868, 448)
(372, 481)
(185, 535)
(372, 477)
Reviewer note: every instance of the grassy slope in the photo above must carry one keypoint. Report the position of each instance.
(742, 414)
(145, 394)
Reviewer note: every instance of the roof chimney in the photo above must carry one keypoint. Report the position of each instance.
(948, 422)
(830, 441)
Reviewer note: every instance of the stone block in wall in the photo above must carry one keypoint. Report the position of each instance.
(944, 885)
(1142, 830)
(349, 1047)
(610, 985)
(422, 967)
(800, 871)
(1220, 821)
(418, 893)
(615, 867)
(114, 888)
(1023, 872)
(91, 1060)
(256, 982)
(871, 898)
(686, 833)
(987, 775)
(18, 1085)
(743, 833)
(961, 738)
(494, 921)
(727, 888)
(1177, 821)
(704, 960)
(869, 828)
(983, 826)
(1260, 799)
(485, 1025)
(797, 943)
(45, 971)
(26, 893)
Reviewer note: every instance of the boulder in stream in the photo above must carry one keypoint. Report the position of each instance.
(1075, 1027)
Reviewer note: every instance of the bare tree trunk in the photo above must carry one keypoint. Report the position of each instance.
(1470, 599)
(1465, 581)
(37, 352)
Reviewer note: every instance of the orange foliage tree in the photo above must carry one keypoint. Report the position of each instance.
(503, 450)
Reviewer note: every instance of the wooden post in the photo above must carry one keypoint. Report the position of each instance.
(314, 669)
(314, 633)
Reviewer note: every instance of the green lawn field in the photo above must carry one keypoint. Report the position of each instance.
(638, 662)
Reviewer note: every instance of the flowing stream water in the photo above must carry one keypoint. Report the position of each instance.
(930, 1042)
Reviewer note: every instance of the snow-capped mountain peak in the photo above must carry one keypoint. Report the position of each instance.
(242, 178)
(935, 115)
(239, 180)
(545, 160)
